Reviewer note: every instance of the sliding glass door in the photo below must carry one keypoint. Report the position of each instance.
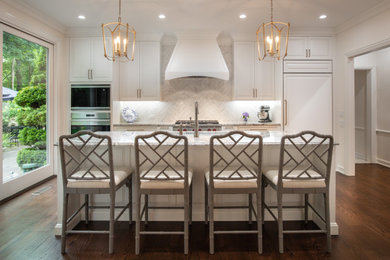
(26, 83)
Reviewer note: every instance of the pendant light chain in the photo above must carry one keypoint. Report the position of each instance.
(272, 11)
(120, 11)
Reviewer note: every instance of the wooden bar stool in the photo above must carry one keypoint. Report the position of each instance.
(87, 168)
(304, 168)
(235, 168)
(161, 161)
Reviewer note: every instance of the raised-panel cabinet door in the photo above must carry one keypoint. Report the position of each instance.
(265, 79)
(296, 48)
(308, 103)
(244, 53)
(320, 47)
(129, 78)
(101, 66)
(149, 71)
(80, 59)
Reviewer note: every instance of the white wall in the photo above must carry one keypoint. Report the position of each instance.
(363, 37)
(381, 61)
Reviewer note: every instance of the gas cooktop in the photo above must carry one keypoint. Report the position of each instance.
(201, 122)
(204, 125)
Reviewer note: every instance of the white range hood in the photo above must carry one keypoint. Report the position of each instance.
(197, 55)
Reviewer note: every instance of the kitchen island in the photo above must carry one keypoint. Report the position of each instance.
(123, 149)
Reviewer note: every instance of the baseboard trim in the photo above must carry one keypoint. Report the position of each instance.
(71, 225)
(340, 169)
(334, 227)
(5, 200)
(383, 162)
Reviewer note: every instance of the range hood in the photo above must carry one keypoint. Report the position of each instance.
(197, 55)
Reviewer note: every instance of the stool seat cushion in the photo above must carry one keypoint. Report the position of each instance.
(119, 176)
(162, 182)
(233, 183)
(272, 176)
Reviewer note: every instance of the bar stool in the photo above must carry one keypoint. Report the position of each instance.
(235, 168)
(87, 168)
(161, 161)
(304, 168)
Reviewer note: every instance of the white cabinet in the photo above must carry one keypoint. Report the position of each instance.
(87, 61)
(253, 79)
(315, 48)
(140, 79)
(308, 103)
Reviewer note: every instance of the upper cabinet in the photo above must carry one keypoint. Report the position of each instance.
(314, 48)
(87, 61)
(140, 79)
(253, 79)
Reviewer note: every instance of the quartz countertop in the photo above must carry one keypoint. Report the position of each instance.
(222, 123)
(126, 138)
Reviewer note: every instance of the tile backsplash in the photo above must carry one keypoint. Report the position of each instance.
(178, 97)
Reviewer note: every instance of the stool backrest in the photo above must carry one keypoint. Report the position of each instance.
(233, 153)
(86, 156)
(305, 156)
(160, 152)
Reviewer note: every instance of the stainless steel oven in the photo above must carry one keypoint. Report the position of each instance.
(90, 97)
(94, 120)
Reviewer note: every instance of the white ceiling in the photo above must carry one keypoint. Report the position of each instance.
(216, 15)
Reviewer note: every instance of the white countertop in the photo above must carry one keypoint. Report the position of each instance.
(126, 138)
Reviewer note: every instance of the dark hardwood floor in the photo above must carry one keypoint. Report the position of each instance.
(363, 214)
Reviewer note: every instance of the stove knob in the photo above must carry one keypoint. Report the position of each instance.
(209, 129)
(214, 129)
(200, 129)
(184, 129)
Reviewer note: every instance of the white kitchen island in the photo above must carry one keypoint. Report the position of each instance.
(123, 149)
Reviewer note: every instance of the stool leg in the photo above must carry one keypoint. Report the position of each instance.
(112, 222)
(259, 223)
(211, 219)
(250, 208)
(190, 204)
(280, 221)
(206, 204)
(129, 186)
(146, 209)
(306, 207)
(327, 218)
(86, 208)
(262, 201)
(64, 220)
(186, 219)
(137, 222)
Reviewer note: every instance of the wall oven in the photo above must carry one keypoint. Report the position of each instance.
(90, 108)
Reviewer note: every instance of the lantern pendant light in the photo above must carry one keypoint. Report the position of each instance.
(270, 38)
(117, 34)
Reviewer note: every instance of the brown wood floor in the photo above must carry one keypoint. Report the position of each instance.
(363, 214)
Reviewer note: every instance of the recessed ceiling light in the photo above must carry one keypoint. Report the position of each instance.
(162, 16)
(82, 17)
(242, 16)
(323, 16)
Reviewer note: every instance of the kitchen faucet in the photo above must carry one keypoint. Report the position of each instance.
(196, 132)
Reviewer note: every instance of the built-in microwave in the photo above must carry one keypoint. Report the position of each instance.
(90, 97)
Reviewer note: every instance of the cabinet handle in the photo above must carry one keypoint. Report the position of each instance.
(285, 112)
(91, 74)
(140, 93)
(137, 92)
(256, 91)
(253, 92)
(309, 53)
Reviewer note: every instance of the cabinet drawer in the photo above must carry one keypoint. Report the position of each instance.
(307, 66)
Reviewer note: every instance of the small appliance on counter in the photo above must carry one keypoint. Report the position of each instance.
(264, 114)
(90, 107)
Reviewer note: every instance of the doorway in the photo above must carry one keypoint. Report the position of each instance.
(364, 113)
(26, 84)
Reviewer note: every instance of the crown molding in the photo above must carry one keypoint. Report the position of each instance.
(36, 14)
(369, 13)
(74, 32)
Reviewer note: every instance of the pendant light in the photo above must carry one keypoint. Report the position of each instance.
(118, 34)
(270, 37)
